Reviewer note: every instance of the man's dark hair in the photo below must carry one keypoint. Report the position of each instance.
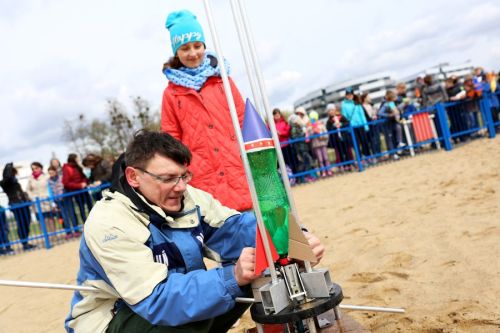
(146, 144)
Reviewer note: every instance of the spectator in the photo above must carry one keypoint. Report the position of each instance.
(145, 245)
(54, 162)
(195, 111)
(351, 109)
(339, 139)
(283, 129)
(478, 80)
(392, 127)
(74, 180)
(298, 131)
(100, 169)
(5, 247)
(471, 105)
(17, 199)
(56, 191)
(319, 144)
(403, 102)
(419, 86)
(459, 118)
(38, 187)
(490, 88)
(432, 93)
(372, 116)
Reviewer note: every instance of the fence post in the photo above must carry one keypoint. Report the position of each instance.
(443, 123)
(408, 137)
(41, 219)
(485, 107)
(356, 149)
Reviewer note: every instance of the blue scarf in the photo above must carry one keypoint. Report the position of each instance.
(194, 78)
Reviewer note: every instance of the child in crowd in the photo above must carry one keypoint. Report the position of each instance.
(319, 143)
(339, 140)
(298, 131)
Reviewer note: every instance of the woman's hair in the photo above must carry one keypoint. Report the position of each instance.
(363, 97)
(356, 99)
(173, 63)
(37, 164)
(91, 160)
(390, 95)
(72, 161)
(277, 111)
(428, 79)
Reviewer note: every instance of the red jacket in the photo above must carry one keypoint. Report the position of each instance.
(202, 121)
(72, 178)
(283, 129)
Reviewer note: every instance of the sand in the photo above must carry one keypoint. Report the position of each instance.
(422, 234)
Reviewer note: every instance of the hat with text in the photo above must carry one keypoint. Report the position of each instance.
(184, 28)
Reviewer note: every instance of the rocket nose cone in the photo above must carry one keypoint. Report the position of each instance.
(254, 127)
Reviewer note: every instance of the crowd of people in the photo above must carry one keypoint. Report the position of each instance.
(53, 186)
(305, 139)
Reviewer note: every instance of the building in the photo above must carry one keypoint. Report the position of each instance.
(376, 86)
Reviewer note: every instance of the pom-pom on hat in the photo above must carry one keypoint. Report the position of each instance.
(330, 106)
(313, 115)
(184, 28)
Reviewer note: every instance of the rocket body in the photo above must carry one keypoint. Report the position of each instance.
(271, 194)
(273, 201)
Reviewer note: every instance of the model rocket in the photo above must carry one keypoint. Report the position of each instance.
(274, 205)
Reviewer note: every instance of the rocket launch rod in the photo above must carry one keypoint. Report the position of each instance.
(236, 125)
(254, 73)
(45, 285)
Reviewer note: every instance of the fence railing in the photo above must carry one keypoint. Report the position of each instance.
(44, 222)
(356, 147)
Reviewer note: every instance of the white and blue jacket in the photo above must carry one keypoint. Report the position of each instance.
(137, 256)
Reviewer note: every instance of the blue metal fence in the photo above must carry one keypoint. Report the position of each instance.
(357, 147)
(45, 222)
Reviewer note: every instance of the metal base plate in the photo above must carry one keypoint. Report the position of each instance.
(303, 311)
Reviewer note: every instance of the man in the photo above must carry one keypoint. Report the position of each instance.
(143, 248)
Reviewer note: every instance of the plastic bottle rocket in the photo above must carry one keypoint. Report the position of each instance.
(273, 201)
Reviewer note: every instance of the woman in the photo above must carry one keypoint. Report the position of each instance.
(371, 116)
(17, 198)
(74, 180)
(351, 109)
(283, 129)
(38, 187)
(195, 111)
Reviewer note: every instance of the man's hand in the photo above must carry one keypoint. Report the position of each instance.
(315, 245)
(244, 270)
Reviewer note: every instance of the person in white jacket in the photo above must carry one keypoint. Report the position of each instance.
(38, 187)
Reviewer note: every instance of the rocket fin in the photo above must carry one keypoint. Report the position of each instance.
(260, 256)
(298, 246)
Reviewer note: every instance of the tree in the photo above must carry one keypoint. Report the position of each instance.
(110, 136)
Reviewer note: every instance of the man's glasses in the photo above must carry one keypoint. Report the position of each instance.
(173, 181)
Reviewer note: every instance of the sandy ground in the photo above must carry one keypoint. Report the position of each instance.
(422, 234)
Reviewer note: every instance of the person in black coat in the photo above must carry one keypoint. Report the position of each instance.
(17, 197)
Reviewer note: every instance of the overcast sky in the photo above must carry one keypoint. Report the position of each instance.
(62, 58)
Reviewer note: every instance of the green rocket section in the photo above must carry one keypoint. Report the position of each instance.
(271, 194)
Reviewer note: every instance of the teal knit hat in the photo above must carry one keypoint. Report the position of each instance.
(184, 28)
